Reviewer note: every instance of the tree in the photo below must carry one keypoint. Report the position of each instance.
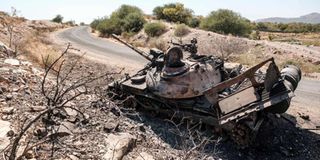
(125, 19)
(94, 24)
(173, 12)
(261, 26)
(226, 22)
(57, 19)
(194, 22)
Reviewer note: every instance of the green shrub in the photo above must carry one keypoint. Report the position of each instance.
(226, 22)
(94, 24)
(194, 22)
(109, 26)
(57, 19)
(154, 29)
(125, 19)
(173, 12)
(181, 30)
(133, 22)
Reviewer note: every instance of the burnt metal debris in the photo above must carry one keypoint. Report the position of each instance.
(202, 88)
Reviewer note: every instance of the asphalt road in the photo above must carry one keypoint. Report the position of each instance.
(307, 93)
(81, 37)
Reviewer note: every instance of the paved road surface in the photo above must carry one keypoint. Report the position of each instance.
(81, 37)
(307, 93)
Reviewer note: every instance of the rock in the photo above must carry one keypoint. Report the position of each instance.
(37, 108)
(19, 71)
(316, 62)
(304, 116)
(40, 132)
(4, 89)
(111, 127)
(144, 156)
(66, 128)
(71, 112)
(5, 128)
(7, 110)
(9, 97)
(29, 155)
(11, 61)
(36, 71)
(10, 133)
(15, 89)
(118, 145)
(230, 66)
(142, 129)
(73, 157)
(26, 63)
(115, 111)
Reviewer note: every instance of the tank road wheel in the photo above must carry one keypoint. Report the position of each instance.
(240, 134)
(129, 102)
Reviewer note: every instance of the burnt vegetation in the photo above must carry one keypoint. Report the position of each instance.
(58, 92)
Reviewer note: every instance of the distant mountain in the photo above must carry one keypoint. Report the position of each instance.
(313, 18)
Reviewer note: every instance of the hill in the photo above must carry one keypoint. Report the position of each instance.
(313, 18)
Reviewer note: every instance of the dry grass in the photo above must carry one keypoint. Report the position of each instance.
(296, 38)
(38, 48)
(158, 43)
(181, 30)
(306, 67)
(253, 58)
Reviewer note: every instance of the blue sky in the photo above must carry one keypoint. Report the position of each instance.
(87, 10)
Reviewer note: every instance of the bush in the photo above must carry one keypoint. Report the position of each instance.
(94, 24)
(57, 19)
(125, 19)
(154, 29)
(70, 23)
(109, 26)
(181, 30)
(226, 22)
(194, 22)
(133, 22)
(173, 12)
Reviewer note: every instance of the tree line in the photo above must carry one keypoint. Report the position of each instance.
(287, 27)
(129, 20)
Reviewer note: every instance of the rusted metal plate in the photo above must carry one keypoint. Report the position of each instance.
(238, 100)
(272, 76)
(186, 85)
(134, 88)
(255, 107)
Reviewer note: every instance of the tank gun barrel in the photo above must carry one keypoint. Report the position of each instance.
(143, 54)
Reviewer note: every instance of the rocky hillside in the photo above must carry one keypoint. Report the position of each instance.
(88, 127)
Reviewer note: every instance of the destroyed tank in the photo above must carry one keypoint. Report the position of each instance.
(203, 88)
